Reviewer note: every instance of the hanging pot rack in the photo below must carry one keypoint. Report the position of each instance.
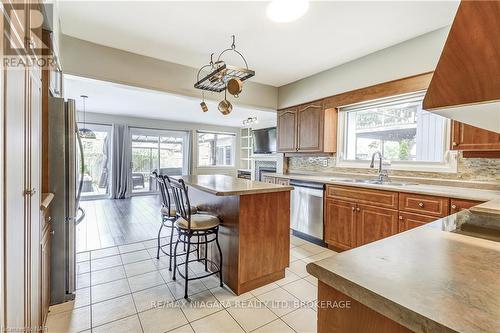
(221, 73)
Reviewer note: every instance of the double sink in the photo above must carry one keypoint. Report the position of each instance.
(372, 181)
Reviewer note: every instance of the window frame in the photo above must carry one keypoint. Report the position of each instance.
(216, 166)
(448, 165)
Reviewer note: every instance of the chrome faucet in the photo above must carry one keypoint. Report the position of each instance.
(383, 174)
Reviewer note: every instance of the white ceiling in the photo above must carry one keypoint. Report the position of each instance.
(186, 32)
(122, 100)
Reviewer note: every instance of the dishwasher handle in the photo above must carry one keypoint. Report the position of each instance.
(306, 184)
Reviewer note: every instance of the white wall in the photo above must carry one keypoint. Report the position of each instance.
(100, 62)
(101, 118)
(415, 56)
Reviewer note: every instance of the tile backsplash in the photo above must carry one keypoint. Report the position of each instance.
(472, 169)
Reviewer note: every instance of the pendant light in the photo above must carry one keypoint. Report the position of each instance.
(84, 132)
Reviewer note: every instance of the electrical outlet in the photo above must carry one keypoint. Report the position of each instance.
(324, 163)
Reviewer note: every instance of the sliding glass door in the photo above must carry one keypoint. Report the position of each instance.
(163, 151)
(97, 162)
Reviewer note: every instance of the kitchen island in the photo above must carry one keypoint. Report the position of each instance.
(255, 227)
(435, 278)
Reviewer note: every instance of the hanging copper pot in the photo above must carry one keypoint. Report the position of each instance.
(234, 86)
(225, 107)
(203, 105)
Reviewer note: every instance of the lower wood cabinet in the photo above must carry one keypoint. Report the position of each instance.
(409, 221)
(45, 273)
(348, 224)
(340, 223)
(374, 223)
(356, 216)
(457, 205)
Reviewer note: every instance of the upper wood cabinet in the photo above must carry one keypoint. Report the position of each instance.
(470, 138)
(307, 128)
(310, 127)
(287, 130)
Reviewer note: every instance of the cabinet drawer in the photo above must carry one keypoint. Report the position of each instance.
(409, 221)
(424, 204)
(378, 198)
(457, 205)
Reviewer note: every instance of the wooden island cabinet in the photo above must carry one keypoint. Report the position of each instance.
(254, 233)
(355, 216)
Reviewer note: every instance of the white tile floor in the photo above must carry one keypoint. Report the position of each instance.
(126, 289)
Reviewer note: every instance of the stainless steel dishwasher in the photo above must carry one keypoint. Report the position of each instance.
(307, 210)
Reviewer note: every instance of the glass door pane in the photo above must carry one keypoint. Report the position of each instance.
(157, 150)
(97, 161)
(144, 161)
(172, 158)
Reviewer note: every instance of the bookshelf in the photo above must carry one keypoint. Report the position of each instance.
(246, 148)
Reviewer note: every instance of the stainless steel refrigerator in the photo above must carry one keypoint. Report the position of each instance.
(65, 173)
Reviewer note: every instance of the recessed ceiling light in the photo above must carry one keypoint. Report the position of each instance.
(283, 11)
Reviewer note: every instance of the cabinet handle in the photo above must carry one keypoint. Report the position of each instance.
(454, 143)
(400, 217)
(353, 209)
(453, 206)
(421, 204)
(52, 232)
(358, 209)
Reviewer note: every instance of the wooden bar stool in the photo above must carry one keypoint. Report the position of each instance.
(168, 218)
(204, 227)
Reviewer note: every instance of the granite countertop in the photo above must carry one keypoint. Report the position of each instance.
(459, 192)
(222, 185)
(427, 279)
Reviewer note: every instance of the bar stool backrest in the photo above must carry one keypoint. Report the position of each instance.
(165, 195)
(181, 199)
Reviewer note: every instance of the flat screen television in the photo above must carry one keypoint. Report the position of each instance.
(264, 140)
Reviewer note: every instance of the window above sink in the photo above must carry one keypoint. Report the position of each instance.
(409, 137)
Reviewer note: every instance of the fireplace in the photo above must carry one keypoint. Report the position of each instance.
(264, 167)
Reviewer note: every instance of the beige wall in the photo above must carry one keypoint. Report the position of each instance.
(100, 62)
(415, 56)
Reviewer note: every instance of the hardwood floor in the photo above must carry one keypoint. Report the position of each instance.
(116, 222)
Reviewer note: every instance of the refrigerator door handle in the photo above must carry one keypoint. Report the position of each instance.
(82, 167)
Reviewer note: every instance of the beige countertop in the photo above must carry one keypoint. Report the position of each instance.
(458, 192)
(490, 207)
(222, 185)
(426, 279)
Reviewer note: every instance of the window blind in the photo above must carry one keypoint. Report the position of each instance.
(384, 102)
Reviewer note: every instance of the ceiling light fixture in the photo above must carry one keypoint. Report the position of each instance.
(249, 121)
(85, 133)
(284, 11)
